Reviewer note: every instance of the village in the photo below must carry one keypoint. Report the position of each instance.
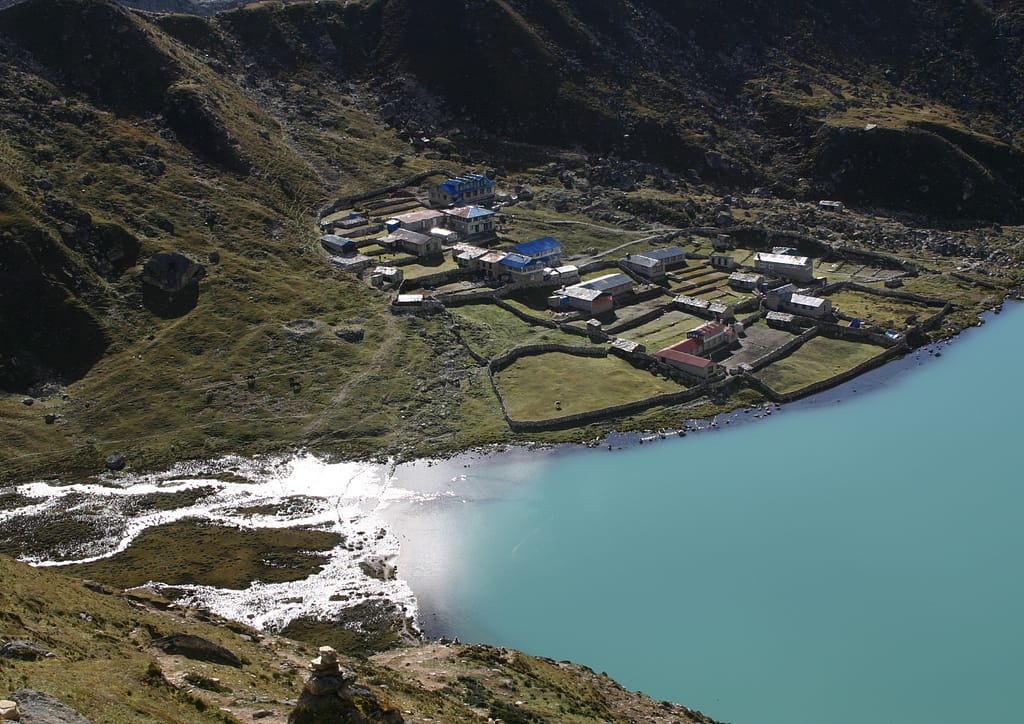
(570, 335)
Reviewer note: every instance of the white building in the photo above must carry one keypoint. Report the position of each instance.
(786, 266)
(470, 220)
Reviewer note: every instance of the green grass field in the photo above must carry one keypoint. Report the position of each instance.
(882, 311)
(532, 385)
(667, 329)
(818, 359)
(490, 330)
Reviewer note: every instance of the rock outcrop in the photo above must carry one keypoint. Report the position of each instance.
(170, 284)
(196, 647)
(37, 707)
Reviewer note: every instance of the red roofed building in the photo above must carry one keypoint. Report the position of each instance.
(677, 356)
(686, 355)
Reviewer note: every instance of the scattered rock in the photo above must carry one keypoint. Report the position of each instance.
(9, 710)
(116, 461)
(96, 587)
(37, 707)
(379, 568)
(49, 418)
(23, 651)
(196, 647)
(28, 402)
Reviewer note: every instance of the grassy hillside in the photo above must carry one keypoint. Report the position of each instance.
(126, 134)
(105, 661)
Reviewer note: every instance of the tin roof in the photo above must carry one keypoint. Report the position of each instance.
(607, 282)
(642, 260)
(784, 259)
(516, 261)
(583, 293)
(469, 212)
(420, 215)
(665, 252)
(538, 246)
(805, 301)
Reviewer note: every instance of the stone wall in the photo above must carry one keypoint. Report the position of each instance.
(636, 322)
(784, 350)
(346, 201)
(881, 292)
(580, 418)
(433, 280)
(456, 299)
(598, 265)
(876, 361)
(504, 360)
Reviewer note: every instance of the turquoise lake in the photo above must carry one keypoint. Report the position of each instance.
(853, 557)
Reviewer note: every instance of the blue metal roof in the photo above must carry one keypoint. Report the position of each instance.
(517, 261)
(664, 253)
(608, 282)
(538, 246)
(457, 185)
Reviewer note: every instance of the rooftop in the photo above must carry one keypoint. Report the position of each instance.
(457, 185)
(709, 328)
(469, 212)
(642, 260)
(684, 357)
(805, 301)
(421, 215)
(665, 252)
(582, 293)
(538, 246)
(516, 261)
(608, 281)
(413, 237)
(784, 259)
(687, 345)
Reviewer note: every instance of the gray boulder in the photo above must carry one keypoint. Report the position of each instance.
(37, 707)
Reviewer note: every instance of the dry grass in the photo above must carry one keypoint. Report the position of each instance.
(816, 360)
(532, 385)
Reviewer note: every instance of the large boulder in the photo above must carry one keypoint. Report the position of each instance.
(37, 707)
(196, 647)
(170, 284)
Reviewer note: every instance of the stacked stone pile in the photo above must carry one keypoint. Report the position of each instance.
(331, 694)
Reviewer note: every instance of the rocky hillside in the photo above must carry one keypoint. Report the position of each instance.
(68, 646)
(128, 133)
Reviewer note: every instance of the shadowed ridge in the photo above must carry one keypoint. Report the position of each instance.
(94, 47)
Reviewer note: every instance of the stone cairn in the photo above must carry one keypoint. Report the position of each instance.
(331, 694)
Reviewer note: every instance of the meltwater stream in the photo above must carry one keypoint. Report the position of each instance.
(857, 556)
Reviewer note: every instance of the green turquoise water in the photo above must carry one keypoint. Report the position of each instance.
(855, 557)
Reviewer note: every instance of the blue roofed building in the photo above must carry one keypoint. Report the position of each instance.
(655, 263)
(545, 250)
(519, 268)
(472, 188)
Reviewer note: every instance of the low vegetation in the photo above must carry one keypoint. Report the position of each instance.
(556, 384)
